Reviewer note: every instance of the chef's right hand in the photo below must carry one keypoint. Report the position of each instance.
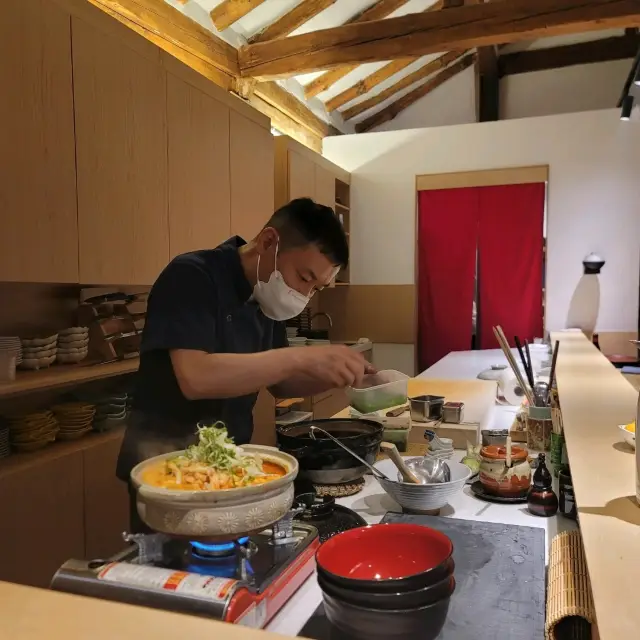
(335, 365)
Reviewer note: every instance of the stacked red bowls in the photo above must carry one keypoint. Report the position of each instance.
(387, 581)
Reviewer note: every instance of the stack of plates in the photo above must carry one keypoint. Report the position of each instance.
(4, 442)
(292, 332)
(297, 342)
(73, 345)
(74, 419)
(38, 352)
(12, 345)
(32, 431)
(111, 411)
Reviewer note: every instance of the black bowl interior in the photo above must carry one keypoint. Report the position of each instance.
(365, 623)
(394, 599)
(410, 583)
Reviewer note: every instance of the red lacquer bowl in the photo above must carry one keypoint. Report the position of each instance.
(384, 557)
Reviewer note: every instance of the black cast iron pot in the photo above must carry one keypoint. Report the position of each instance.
(321, 460)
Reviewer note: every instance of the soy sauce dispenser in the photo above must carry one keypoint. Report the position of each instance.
(541, 499)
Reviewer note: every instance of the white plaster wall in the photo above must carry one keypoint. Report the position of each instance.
(571, 89)
(399, 357)
(593, 198)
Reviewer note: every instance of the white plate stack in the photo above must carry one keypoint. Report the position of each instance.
(73, 345)
(38, 352)
(10, 357)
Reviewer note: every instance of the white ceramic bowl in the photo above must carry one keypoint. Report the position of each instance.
(423, 497)
(629, 438)
(216, 515)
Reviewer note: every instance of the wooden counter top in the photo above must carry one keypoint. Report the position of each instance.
(595, 398)
(37, 614)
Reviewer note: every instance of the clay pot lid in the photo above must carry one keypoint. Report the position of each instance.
(498, 452)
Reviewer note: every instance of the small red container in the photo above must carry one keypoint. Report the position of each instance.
(386, 557)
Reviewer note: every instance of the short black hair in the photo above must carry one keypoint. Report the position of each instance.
(303, 221)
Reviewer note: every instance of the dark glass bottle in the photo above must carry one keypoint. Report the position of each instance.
(541, 499)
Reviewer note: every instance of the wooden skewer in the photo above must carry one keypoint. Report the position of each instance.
(504, 345)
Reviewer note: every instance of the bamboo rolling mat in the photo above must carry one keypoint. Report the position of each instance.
(570, 608)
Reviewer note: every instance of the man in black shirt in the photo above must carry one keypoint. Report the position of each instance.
(215, 330)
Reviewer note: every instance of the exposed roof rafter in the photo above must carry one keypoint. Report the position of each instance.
(230, 11)
(392, 110)
(418, 34)
(290, 21)
(419, 74)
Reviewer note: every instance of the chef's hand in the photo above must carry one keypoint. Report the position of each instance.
(335, 365)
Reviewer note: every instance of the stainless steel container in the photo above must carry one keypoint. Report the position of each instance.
(453, 412)
(426, 408)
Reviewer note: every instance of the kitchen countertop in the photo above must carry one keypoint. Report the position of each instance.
(595, 398)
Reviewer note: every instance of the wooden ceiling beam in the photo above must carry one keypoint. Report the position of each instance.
(290, 21)
(378, 11)
(230, 11)
(392, 110)
(604, 50)
(421, 73)
(418, 34)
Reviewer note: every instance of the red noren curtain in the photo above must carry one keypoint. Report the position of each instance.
(447, 240)
(510, 244)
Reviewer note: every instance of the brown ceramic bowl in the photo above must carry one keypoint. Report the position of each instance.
(500, 480)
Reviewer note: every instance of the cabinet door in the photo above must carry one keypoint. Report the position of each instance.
(106, 500)
(302, 176)
(330, 405)
(39, 232)
(199, 192)
(325, 187)
(121, 150)
(41, 519)
(252, 167)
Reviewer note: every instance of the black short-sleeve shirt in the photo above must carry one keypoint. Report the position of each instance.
(201, 301)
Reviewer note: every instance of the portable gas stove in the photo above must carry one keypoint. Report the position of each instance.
(245, 581)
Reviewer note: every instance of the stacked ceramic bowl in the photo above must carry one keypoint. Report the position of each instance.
(38, 352)
(292, 332)
(73, 345)
(10, 357)
(440, 448)
(387, 581)
(5, 448)
(111, 411)
(32, 431)
(297, 342)
(74, 419)
(423, 498)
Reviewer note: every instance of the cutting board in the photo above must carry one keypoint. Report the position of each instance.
(500, 581)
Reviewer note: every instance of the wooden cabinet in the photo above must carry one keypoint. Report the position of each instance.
(302, 176)
(325, 187)
(251, 153)
(41, 521)
(106, 501)
(198, 156)
(38, 237)
(327, 405)
(121, 150)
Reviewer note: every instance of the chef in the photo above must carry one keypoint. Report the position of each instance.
(215, 332)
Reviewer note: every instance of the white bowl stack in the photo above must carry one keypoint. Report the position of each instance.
(441, 448)
(10, 347)
(39, 352)
(73, 345)
(297, 342)
(292, 332)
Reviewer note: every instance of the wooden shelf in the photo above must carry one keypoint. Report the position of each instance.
(342, 206)
(64, 375)
(19, 461)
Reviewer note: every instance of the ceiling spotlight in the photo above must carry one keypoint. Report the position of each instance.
(627, 107)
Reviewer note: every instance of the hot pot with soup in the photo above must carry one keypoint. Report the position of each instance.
(215, 490)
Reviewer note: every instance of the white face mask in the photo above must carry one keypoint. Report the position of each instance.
(276, 298)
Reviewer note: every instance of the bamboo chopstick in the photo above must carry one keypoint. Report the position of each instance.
(504, 345)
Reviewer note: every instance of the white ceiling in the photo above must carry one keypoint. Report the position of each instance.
(339, 13)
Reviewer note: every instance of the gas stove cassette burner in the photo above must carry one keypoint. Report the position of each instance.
(213, 551)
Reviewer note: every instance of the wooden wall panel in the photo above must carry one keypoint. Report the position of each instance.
(198, 157)
(106, 501)
(39, 236)
(382, 313)
(302, 176)
(252, 169)
(121, 142)
(325, 192)
(486, 178)
(41, 524)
